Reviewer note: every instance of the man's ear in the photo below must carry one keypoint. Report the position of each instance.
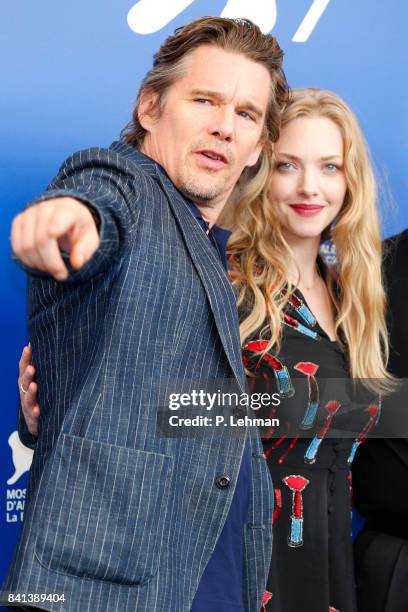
(264, 146)
(148, 108)
(254, 156)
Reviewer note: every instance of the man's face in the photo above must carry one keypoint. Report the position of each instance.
(210, 127)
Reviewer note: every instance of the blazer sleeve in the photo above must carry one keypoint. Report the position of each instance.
(25, 437)
(115, 188)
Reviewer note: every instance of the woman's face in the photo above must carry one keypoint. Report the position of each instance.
(308, 183)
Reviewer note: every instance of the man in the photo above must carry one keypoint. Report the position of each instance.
(120, 518)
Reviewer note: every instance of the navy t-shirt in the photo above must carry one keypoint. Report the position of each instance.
(221, 585)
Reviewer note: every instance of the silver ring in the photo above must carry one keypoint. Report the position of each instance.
(22, 389)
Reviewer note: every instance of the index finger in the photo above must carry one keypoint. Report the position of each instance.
(25, 359)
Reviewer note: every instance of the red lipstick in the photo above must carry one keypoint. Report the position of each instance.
(306, 210)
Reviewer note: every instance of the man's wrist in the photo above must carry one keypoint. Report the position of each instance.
(96, 217)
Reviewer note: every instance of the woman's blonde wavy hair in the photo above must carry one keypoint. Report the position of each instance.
(260, 254)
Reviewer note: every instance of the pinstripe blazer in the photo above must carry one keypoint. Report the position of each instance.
(118, 517)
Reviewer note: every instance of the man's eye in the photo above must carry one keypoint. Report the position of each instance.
(246, 115)
(202, 100)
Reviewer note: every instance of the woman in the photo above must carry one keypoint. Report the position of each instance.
(321, 325)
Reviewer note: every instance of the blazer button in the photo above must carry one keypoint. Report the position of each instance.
(223, 481)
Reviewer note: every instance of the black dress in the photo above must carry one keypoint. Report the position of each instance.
(380, 472)
(312, 563)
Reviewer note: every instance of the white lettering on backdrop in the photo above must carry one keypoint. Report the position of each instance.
(148, 16)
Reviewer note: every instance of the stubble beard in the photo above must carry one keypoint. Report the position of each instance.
(208, 191)
(193, 189)
(200, 196)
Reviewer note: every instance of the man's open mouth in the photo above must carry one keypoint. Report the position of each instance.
(213, 155)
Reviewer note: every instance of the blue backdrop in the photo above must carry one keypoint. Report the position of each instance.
(70, 73)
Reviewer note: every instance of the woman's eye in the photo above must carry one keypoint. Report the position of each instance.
(284, 166)
(331, 168)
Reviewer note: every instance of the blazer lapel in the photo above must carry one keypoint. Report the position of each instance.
(212, 274)
(206, 261)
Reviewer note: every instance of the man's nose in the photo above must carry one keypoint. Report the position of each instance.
(308, 183)
(222, 124)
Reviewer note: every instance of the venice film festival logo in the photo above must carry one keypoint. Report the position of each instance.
(148, 16)
(21, 457)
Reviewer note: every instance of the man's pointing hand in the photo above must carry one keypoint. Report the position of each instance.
(40, 232)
